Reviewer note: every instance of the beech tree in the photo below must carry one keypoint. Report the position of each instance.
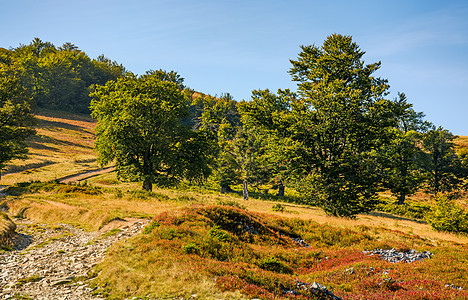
(139, 126)
(339, 119)
(403, 155)
(445, 169)
(16, 119)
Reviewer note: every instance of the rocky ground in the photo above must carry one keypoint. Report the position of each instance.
(54, 262)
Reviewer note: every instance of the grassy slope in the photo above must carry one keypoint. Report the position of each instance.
(63, 145)
(181, 255)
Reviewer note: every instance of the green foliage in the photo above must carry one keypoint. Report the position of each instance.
(335, 124)
(148, 229)
(408, 209)
(139, 126)
(278, 207)
(403, 158)
(191, 248)
(274, 265)
(220, 117)
(445, 170)
(218, 234)
(60, 77)
(16, 120)
(143, 195)
(446, 215)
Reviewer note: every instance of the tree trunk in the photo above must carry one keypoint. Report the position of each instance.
(147, 170)
(224, 189)
(245, 192)
(401, 199)
(147, 185)
(280, 190)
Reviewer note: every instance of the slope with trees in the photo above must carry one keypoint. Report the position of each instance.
(339, 118)
(16, 119)
(139, 125)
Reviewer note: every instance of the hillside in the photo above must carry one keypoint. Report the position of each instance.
(204, 245)
(63, 145)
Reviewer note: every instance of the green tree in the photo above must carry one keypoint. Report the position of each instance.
(219, 116)
(139, 125)
(444, 168)
(267, 114)
(338, 119)
(16, 119)
(403, 156)
(60, 77)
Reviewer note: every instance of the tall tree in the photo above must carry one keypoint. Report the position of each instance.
(16, 119)
(339, 118)
(267, 114)
(219, 116)
(403, 156)
(139, 125)
(445, 169)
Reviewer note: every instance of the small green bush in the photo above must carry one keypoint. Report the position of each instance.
(446, 215)
(408, 209)
(148, 229)
(274, 265)
(231, 203)
(278, 207)
(217, 233)
(191, 248)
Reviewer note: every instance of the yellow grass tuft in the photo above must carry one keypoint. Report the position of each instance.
(7, 230)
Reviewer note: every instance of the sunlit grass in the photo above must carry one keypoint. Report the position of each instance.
(170, 264)
(63, 145)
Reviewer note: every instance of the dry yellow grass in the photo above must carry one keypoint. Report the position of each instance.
(461, 141)
(7, 229)
(63, 145)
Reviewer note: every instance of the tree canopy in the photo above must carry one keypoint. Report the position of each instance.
(139, 125)
(61, 77)
(338, 118)
(16, 119)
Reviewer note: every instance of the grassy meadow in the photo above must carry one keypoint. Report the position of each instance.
(205, 245)
(63, 145)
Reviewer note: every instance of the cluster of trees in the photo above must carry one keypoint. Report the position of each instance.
(338, 140)
(41, 74)
(59, 77)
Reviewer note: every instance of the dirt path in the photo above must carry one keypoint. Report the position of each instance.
(85, 175)
(54, 262)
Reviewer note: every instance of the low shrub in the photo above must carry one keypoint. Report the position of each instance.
(191, 248)
(274, 265)
(408, 209)
(51, 186)
(446, 215)
(278, 207)
(149, 228)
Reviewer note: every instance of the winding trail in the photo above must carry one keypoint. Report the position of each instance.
(85, 175)
(50, 263)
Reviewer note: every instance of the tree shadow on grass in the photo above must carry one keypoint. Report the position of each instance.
(47, 124)
(38, 141)
(394, 217)
(16, 169)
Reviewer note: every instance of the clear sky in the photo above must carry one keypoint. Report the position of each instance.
(238, 46)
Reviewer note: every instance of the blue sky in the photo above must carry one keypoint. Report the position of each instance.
(238, 46)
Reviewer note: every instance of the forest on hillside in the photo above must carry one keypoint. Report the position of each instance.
(338, 140)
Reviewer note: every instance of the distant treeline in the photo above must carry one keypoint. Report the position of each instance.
(59, 77)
